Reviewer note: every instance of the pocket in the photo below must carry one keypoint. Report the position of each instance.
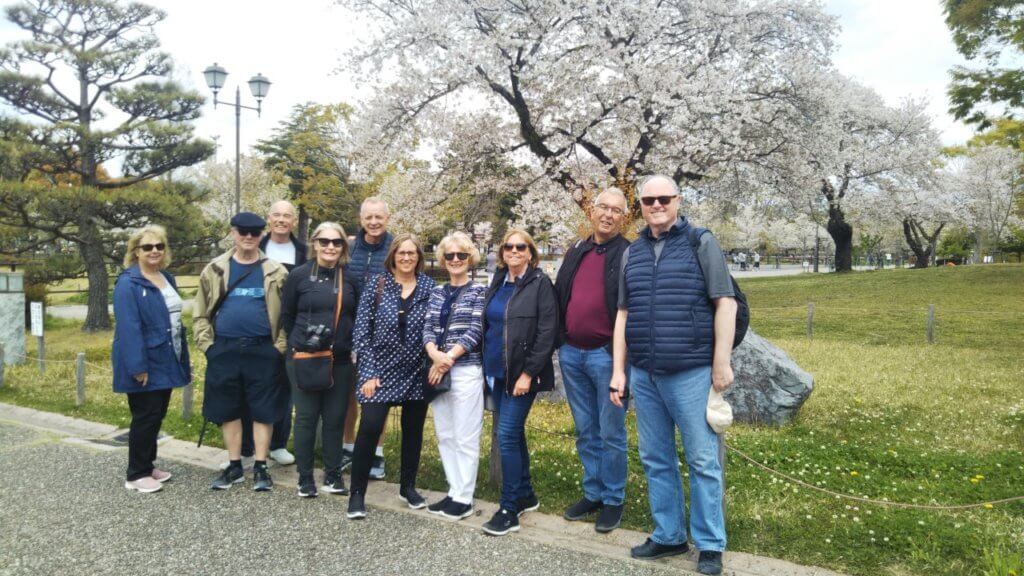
(153, 337)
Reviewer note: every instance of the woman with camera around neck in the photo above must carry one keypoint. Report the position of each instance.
(149, 352)
(308, 310)
(452, 336)
(389, 344)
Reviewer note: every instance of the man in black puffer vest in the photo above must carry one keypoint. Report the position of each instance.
(676, 320)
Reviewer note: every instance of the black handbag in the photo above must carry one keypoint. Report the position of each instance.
(314, 371)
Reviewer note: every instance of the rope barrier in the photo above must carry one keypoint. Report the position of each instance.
(861, 499)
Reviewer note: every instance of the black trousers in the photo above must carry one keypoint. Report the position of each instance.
(148, 410)
(329, 407)
(371, 424)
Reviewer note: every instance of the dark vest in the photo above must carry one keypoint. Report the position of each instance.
(670, 327)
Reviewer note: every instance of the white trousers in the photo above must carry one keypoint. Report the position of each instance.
(458, 418)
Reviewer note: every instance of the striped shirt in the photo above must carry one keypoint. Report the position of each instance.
(465, 322)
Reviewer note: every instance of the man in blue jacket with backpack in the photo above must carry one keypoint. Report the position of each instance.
(677, 321)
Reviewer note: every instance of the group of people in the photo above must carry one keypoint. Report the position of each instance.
(740, 260)
(284, 330)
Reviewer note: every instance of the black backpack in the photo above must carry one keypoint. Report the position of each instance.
(742, 308)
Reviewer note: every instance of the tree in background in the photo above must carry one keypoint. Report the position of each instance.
(260, 187)
(682, 86)
(990, 33)
(989, 184)
(95, 87)
(311, 150)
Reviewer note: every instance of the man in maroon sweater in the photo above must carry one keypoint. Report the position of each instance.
(588, 286)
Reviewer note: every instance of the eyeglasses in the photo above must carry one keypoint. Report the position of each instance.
(279, 215)
(406, 254)
(150, 247)
(663, 200)
(254, 232)
(325, 242)
(516, 247)
(614, 210)
(453, 255)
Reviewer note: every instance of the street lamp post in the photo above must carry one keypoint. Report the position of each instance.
(259, 85)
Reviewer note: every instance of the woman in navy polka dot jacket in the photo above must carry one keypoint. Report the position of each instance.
(388, 341)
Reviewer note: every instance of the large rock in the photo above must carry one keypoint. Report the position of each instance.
(769, 386)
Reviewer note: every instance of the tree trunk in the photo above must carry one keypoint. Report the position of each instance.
(922, 250)
(97, 316)
(302, 228)
(842, 235)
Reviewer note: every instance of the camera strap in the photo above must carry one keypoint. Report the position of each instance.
(338, 290)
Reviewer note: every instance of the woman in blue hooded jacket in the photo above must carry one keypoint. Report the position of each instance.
(149, 353)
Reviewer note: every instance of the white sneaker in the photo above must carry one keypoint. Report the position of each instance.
(282, 456)
(247, 462)
(144, 485)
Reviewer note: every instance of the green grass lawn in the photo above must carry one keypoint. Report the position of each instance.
(891, 417)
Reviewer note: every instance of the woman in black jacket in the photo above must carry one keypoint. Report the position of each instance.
(308, 307)
(520, 329)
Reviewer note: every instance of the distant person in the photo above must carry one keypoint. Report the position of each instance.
(492, 265)
(675, 328)
(757, 260)
(389, 345)
(149, 353)
(368, 252)
(520, 333)
(588, 291)
(451, 335)
(318, 313)
(236, 322)
(742, 257)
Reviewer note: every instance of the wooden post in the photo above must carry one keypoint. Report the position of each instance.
(80, 378)
(42, 354)
(494, 472)
(186, 402)
(810, 320)
(931, 323)
(2, 365)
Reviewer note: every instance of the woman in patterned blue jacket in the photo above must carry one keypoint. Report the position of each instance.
(455, 324)
(388, 341)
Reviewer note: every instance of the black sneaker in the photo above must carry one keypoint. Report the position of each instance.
(651, 550)
(334, 483)
(307, 487)
(410, 496)
(439, 506)
(346, 459)
(356, 506)
(261, 481)
(528, 504)
(609, 518)
(581, 509)
(502, 523)
(377, 468)
(457, 510)
(709, 562)
(229, 476)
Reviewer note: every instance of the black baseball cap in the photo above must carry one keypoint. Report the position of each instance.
(248, 220)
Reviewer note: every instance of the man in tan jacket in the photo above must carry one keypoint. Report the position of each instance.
(236, 324)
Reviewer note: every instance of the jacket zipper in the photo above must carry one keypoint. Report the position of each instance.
(654, 292)
(505, 329)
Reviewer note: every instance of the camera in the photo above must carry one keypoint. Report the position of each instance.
(318, 337)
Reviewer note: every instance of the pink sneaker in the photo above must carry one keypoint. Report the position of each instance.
(144, 485)
(160, 475)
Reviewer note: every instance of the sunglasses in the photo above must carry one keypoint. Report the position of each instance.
(516, 247)
(150, 247)
(453, 255)
(325, 242)
(254, 232)
(663, 200)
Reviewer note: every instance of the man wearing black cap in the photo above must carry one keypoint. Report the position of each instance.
(236, 325)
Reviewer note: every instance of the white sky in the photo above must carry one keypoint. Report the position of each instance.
(899, 47)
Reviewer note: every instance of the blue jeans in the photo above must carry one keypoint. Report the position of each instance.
(515, 457)
(664, 403)
(600, 425)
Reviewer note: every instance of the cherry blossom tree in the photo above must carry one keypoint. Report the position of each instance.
(682, 87)
(988, 184)
(849, 150)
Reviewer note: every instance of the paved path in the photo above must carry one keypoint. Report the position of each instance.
(63, 510)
